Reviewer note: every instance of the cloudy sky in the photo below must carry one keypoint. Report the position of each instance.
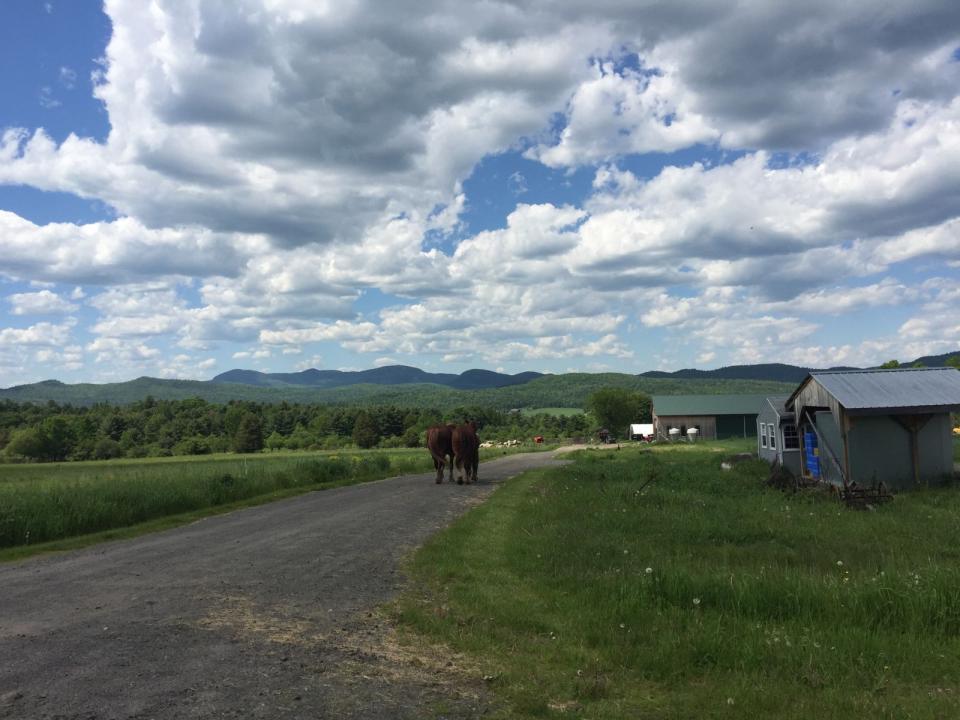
(188, 186)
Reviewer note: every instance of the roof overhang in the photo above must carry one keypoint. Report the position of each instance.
(914, 410)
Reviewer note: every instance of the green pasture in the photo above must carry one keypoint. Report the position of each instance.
(161, 467)
(556, 411)
(54, 506)
(52, 503)
(649, 583)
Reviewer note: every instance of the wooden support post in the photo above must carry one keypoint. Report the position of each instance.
(913, 424)
(845, 425)
(915, 455)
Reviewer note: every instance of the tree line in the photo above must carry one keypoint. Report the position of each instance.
(154, 428)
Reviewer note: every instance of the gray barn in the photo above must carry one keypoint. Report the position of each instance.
(715, 417)
(777, 440)
(877, 426)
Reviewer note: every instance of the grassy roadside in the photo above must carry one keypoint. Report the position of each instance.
(73, 500)
(64, 506)
(702, 595)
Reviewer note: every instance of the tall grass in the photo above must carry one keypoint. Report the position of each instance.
(701, 594)
(41, 503)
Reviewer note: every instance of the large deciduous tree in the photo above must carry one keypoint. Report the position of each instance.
(615, 408)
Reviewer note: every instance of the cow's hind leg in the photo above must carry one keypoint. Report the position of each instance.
(438, 463)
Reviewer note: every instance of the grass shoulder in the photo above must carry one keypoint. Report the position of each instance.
(53, 507)
(651, 583)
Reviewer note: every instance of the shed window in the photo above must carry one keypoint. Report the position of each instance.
(763, 435)
(791, 440)
(772, 429)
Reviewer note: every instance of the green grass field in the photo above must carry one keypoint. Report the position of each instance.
(557, 411)
(47, 506)
(40, 503)
(584, 592)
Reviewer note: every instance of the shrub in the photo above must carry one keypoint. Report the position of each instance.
(107, 449)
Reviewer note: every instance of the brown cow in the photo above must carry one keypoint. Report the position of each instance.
(440, 445)
(466, 452)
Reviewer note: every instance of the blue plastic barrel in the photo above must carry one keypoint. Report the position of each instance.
(811, 453)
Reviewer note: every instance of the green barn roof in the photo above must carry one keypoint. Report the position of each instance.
(667, 405)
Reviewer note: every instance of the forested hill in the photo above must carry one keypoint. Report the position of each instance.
(780, 372)
(387, 375)
(411, 387)
(568, 390)
(777, 372)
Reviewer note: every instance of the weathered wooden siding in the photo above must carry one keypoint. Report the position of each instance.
(706, 423)
(813, 395)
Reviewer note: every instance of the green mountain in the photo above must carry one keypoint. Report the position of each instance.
(387, 375)
(411, 387)
(568, 390)
(770, 371)
(780, 372)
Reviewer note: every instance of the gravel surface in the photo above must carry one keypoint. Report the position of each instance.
(268, 612)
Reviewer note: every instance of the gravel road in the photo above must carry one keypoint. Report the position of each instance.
(267, 612)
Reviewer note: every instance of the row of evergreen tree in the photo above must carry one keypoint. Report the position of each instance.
(53, 432)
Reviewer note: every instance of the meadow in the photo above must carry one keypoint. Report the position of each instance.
(653, 584)
(40, 503)
(555, 411)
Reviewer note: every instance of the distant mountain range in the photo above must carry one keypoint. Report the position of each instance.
(769, 371)
(387, 375)
(412, 387)
(779, 372)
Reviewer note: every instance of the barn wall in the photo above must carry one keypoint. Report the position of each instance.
(880, 451)
(734, 426)
(706, 423)
(936, 449)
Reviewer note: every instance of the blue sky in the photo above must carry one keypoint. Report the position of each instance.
(280, 185)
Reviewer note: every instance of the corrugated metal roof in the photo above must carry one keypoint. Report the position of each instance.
(779, 405)
(668, 405)
(900, 388)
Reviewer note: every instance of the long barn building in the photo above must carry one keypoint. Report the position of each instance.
(716, 417)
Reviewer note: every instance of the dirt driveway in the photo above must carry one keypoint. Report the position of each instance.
(262, 613)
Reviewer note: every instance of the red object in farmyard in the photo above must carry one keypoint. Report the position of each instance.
(538, 439)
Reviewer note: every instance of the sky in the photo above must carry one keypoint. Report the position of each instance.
(190, 186)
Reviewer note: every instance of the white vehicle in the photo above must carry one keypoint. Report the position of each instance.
(640, 431)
